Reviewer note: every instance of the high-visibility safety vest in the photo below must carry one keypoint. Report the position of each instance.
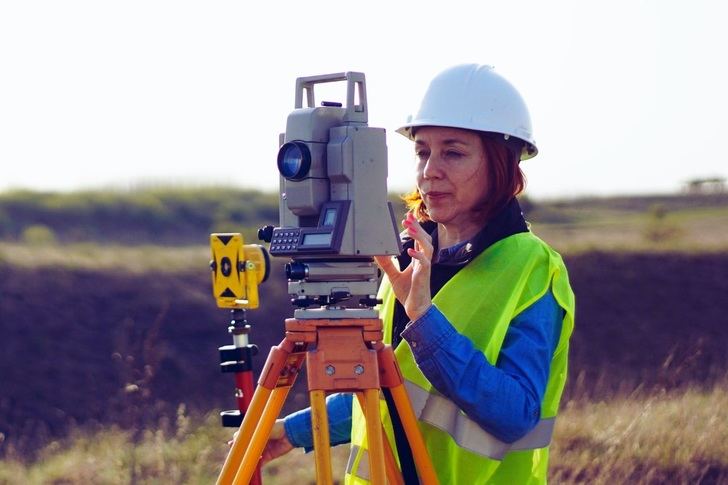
(480, 301)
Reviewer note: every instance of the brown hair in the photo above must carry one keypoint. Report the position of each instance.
(506, 179)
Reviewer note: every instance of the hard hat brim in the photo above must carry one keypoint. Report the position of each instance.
(530, 149)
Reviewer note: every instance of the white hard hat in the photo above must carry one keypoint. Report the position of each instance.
(474, 97)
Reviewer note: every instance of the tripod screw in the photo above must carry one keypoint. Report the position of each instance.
(330, 370)
(358, 369)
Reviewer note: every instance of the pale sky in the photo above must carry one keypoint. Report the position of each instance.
(625, 96)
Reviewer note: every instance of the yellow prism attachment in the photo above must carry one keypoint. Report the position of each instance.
(237, 270)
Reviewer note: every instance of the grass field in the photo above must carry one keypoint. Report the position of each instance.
(571, 228)
(132, 259)
(690, 230)
(676, 437)
(675, 432)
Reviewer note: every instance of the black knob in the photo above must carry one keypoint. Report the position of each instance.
(296, 271)
(303, 302)
(265, 233)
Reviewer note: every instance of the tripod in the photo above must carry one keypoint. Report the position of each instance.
(341, 354)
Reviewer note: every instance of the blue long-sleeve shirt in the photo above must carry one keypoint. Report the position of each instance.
(504, 399)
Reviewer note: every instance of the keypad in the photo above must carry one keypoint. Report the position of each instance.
(284, 240)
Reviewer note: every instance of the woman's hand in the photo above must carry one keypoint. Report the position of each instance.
(412, 286)
(277, 445)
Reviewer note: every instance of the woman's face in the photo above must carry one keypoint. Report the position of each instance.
(452, 173)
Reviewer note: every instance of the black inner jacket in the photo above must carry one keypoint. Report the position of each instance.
(505, 223)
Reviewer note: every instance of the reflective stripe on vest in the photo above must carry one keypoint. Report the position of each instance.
(443, 414)
(362, 471)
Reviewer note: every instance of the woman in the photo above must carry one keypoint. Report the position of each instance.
(478, 309)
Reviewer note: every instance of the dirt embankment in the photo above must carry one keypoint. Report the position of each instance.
(82, 347)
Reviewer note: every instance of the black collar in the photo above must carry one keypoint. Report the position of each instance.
(505, 223)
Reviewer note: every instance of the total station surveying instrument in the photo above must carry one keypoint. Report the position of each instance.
(334, 217)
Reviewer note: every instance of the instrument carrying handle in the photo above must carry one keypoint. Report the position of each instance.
(355, 87)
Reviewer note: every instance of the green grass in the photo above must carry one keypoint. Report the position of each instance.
(690, 230)
(132, 259)
(637, 224)
(676, 437)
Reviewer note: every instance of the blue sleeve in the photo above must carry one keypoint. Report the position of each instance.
(504, 399)
(338, 407)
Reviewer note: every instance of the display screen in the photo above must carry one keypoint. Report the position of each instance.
(329, 217)
(319, 239)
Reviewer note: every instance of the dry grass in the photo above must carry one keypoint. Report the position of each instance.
(133, 259)
(659, 438)
(704, 230)
(690, 230)
(187, 454)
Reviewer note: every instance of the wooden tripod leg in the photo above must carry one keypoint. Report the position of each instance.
(409, 422)
(374, 436)
(391, 378)
(394, 476)
(321, 439)
(278, 376)
(261, 435)
(247, 427)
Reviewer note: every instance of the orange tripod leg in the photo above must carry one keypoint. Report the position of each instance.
(260, 436)
(278, 376)
(392, 379)
(409, 422)
(394, 476)
(244, 382)
(374, 435)
(321, 439)
(247, 427)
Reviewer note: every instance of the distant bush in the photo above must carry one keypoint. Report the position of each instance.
(659, 229)
(185, 216)
(547, 215)
(38, 235)
(161, 215)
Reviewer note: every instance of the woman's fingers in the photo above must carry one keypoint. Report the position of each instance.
(418, 272)
(387, 264)
(400, 280)
(419, 256)
(418, 299)
(235, 435)
(417, 232)
(423, 241)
